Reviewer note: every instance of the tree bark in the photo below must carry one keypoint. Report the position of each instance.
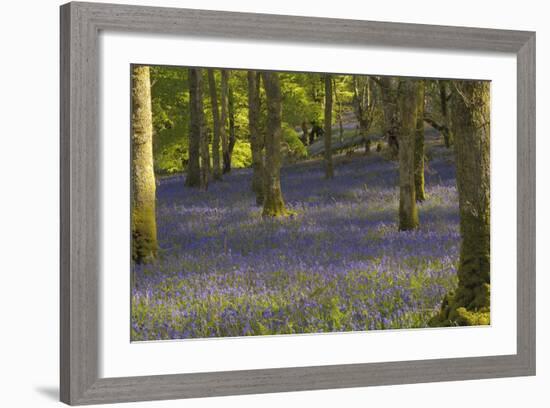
(338, 111)
(470, 305)
(195, 126)
(419, 145)
(144, 227)
(224, 113)
(363, 106)
(232, 135)
(329, 168)
(443, 98)
(388, 88)
(407, 105)
(274, 205)
(217, 173)
(256, 138)
(205, 150)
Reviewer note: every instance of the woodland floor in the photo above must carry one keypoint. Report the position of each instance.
(339, 264)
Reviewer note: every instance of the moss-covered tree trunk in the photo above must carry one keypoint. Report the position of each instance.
(144, 226)
(329, 167)
(470, 304)
(256, 138)
(216, 164)
(388, 89)
(443, 99)
(193, 165)
(407, 105)
(224, 117)
(419, 145)
(274, 205)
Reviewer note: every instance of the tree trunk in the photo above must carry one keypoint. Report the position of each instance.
(225, 103)
(274, 205)
(443, 97)
(195, 123)
(329, 168)
(232, 136)
(470, 304)
(419, 145)
(363, 107)
(205, 166)
(305, 132)
(256, 138)
(407, 105)
(217, 173)
(388, 88)
(338, 112)
(144, 226)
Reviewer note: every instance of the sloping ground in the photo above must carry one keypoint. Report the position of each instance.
(339, 264)
(318, 147)
(351, 140)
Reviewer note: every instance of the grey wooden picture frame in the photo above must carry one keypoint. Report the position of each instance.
(81, 24)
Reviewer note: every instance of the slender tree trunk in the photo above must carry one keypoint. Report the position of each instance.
(388, 88)
(407, 105)
(338, 111)
(217, 173)
(225, 108)
(204, 149)
(471, 129)
(274, 205)
(195, 124)
(361, 107)
(256, 138)
(144, 226)
(206, 169)
(304, 133)
(419, 145)
(443, 97)
(329, 168)
(232, 136)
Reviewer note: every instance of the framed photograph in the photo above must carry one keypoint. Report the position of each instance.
(262, 203)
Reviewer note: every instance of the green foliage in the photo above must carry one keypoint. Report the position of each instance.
(302, 100)
(170, 105)
(242, 155)
(171, 158)
(303, 96)
(293, 147)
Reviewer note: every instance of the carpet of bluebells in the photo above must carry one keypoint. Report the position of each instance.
(338, 264)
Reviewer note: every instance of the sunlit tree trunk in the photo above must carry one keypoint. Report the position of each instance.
(339, 118)
(407, 105)
(232, 136)
(419, 145)
(329, 168)
(273, 198)
(256, 138)
(224, 114)
(217, 173)
(470, 304)
(195, 122)
(144, 227)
